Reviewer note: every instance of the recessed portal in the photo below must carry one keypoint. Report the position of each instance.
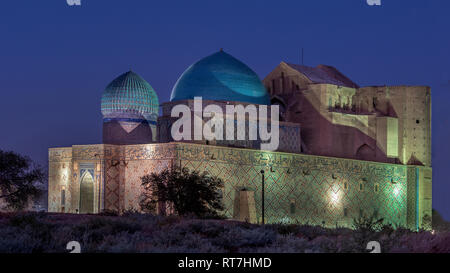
(87, 194)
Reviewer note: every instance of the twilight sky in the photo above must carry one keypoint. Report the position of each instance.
(55, 60)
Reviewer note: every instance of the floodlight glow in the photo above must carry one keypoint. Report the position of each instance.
(396, 191)
(335, 197)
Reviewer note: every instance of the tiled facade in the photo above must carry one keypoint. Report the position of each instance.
(298, 188)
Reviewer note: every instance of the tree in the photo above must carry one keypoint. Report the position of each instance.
(19, 180)
(187, 192)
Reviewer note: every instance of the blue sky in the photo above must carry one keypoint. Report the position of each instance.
(55, 60)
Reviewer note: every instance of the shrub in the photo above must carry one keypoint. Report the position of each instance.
(183, 191)
(134, 232)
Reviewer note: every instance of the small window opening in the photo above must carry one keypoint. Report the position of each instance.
(63, 197)
(292, 207)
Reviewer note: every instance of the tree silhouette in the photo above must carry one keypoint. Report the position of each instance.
(186, 192)
(18, 180)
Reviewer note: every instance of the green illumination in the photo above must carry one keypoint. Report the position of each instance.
(322, 188)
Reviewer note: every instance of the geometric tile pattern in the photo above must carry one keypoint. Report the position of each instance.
(306, 189)
(289, 139)
(299, 188)
(112, 181)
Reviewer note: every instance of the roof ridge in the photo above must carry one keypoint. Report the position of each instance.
(324, 74)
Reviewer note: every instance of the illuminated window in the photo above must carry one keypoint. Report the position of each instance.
(361, 186)
(376, 187)
(345, 186)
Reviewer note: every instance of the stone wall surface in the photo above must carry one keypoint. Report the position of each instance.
(390, 124)
(298, 188)
(323, 190)
(289, 133)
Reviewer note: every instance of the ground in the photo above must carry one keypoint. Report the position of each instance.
(50, 232)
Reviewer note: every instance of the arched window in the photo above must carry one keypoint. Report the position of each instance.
(63, 197)
(365, 152)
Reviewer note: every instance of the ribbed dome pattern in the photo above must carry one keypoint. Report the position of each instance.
(221, 77)
(130, 95)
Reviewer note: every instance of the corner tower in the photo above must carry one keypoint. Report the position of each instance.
(130, 110)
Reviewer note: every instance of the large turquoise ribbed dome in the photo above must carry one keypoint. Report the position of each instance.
(222, 77)
(129, 95)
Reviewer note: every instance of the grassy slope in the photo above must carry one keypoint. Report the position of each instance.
(48, 232)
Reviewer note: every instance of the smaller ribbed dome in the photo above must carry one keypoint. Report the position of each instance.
(130, 96)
